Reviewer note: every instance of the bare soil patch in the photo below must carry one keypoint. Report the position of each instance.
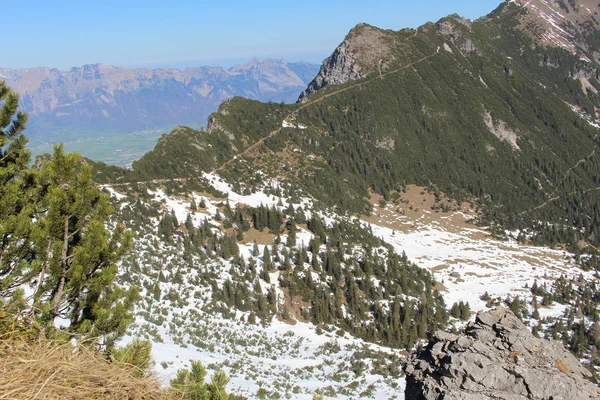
(263, 238)
(418, 207)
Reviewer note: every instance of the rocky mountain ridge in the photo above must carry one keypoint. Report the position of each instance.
(368, 50)
(567, 24)
(351, 60)
(496, 358)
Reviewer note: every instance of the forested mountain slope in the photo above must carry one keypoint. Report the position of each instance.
(490, 110)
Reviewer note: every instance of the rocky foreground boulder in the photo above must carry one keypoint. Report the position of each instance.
(497, 358)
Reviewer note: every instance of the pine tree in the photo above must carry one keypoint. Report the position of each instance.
(73, 232)
(166, 227)
(291, 238)
(455, 310)
(227, 211)
(13, 155)
(267, 259)
(579, 340)
(216, 387)
(174, 219)
(76, 256)
(536, 312)
(515, 307)
(190, 383)
(16, 194)
(53, 238)
(465, 311)
(189, 223)
(137, 355)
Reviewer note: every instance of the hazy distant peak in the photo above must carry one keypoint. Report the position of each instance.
(104, 97)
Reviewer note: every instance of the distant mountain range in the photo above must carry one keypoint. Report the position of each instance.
(102, 100)
(508, 103)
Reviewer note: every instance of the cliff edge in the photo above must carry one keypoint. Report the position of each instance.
(496, 358)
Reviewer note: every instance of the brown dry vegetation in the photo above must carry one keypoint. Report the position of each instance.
(53, 370)
(440, 288)
(440, 268)
(562, 366)
(417, 207)
(252, 235)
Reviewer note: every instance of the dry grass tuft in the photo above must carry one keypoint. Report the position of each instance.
(514, 355)
(562, 366)
(53, 370)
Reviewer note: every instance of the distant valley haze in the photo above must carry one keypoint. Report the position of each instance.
(115, 115)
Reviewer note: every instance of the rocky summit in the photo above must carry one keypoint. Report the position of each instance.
(496, 358)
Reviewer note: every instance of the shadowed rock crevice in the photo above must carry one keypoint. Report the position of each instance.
(496, 358)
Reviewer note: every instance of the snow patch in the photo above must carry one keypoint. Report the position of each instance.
(482, 81)
(584, 116)
(113, 193)
(469, 262)
(286, 124)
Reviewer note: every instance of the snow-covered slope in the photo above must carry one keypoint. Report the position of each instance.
(277, 357)
(269, 359)
(469, 261)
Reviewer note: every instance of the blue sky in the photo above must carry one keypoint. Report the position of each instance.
(177, 33)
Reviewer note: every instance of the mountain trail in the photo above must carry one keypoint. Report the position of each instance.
(544, 204)
(554, 198)
(106, 185)
(294, 113)
(292, 116)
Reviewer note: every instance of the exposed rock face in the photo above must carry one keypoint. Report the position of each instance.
(497, 358)
(339, 68)
(454, 27)
(560, 23)
(363, 50)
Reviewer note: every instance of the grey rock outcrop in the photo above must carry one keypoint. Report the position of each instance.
(339, 68)
(364, 50)
(496, 358)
